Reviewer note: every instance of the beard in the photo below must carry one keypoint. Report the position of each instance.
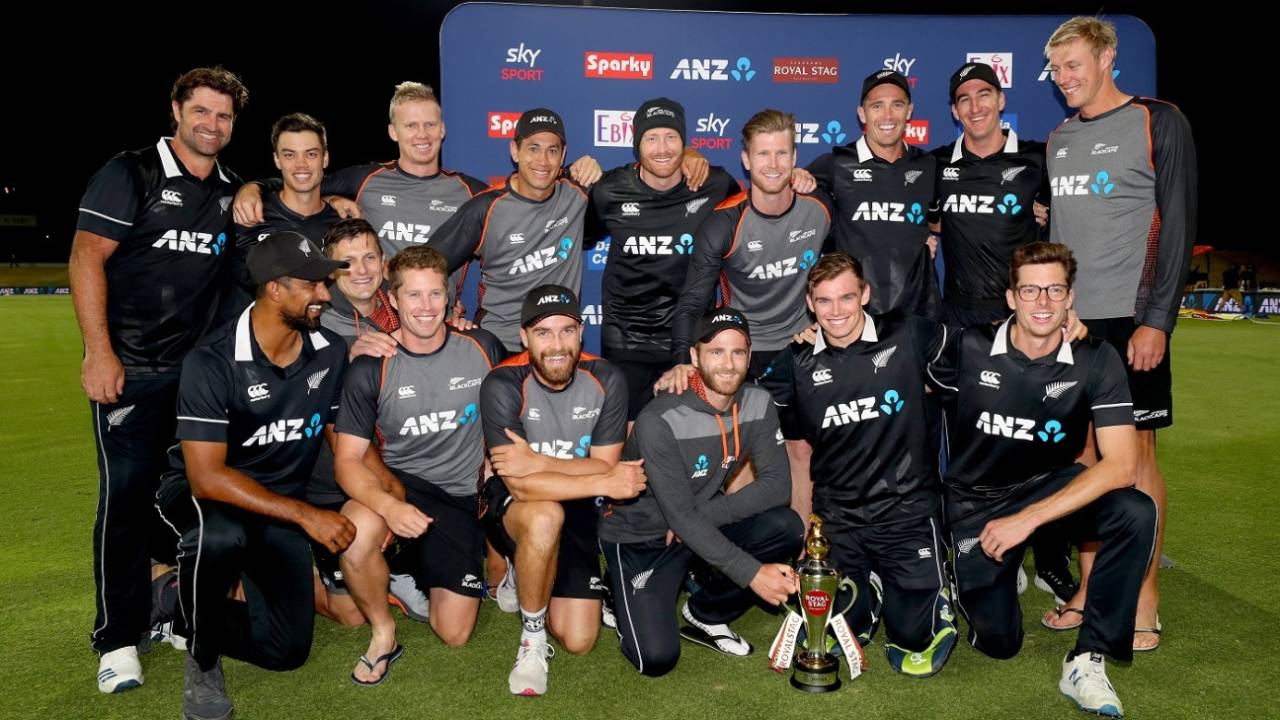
(301, 323)
(718, 385)
(557, 375)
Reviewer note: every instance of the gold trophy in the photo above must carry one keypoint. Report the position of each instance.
(816, 669)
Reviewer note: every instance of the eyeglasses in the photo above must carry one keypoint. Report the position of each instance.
(1031, 293)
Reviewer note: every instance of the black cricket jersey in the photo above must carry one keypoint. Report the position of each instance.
(985, 207)
(276, 217)
(1013, 421)
(271, 419)
(880, 218)
(652, 241)
(174, 232)
(862, 408)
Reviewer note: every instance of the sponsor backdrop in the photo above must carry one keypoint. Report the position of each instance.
(595, 66)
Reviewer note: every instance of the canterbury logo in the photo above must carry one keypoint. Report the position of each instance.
(881, 359)
(116, 417)
(639, 580)
(1055, 390)
(965, 545)
(313, 382)
(1011, 173)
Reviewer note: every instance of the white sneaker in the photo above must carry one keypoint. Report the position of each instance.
(163, 633)
(607, 618)
(1022, 581)
(529, 675)
(1084, 681)
(403, 592)
(508, 599)
(717, 637)
(119, 670)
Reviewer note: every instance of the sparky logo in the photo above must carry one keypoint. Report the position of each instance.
(701, 467)
(881, 359)
(288, 430)
(192, 242)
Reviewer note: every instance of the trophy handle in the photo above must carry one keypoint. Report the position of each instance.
(853, 593)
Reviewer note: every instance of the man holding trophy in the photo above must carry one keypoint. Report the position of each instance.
(858, 393)
(692, 444)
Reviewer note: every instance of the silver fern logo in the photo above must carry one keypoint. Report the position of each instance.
(639, 580)
(1056, 389)
(965, 545)
(1011, 173)
(313, 382)
(881, 359)
(116, 417)
(909, 178)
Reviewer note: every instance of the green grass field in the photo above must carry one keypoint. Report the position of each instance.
(1220, 604)
(34, 276)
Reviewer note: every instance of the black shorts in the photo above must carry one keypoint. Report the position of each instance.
(760, 362)
(327, 562)
(578, 566)
(908, 557)
(1152, 390)
(450, 554)
(640, 376)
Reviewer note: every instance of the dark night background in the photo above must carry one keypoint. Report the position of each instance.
(82, 85)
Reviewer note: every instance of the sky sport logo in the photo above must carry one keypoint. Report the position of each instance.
(617, 65)
(806, 70)
(521, 55)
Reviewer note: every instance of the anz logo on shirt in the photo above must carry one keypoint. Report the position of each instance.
(658, 245)
(200, 243)
(700, 467)
(544, 258)
(784, 267)
(1017, 428)
(863, 409)
(869, 211)
(441, 421)
(563, 449)
(289, 430)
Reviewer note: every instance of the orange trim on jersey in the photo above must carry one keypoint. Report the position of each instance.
(518, 360)
(484, 229)
(473, 341)
(367, 178)
(499, 186)
(575, 186)
(737, 228)
(726, 293)
(813, 199)
(732, 201)
(1151, 148)
(457, 176)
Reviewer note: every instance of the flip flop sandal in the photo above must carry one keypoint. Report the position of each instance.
(1157, 630)
(1060, 611)
(389, 659)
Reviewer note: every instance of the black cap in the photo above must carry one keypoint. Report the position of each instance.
(657, 113)
(547, 300)
(289, 254)
(973, 71)
(880, 77)
(539, 120)
(717, 319)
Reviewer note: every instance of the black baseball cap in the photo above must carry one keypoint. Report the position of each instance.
(880, 77)
(289, 254)
(972, 71)
(547, 300)
(717, 319)
(539, 120)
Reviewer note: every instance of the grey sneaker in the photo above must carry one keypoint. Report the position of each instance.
(204, 693)
(403, 592)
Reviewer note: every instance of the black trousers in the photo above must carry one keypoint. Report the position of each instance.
(646, 578)
(222, 545)
(132, 437)
(1124, 521)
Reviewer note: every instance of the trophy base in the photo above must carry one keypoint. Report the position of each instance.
(816, 675)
